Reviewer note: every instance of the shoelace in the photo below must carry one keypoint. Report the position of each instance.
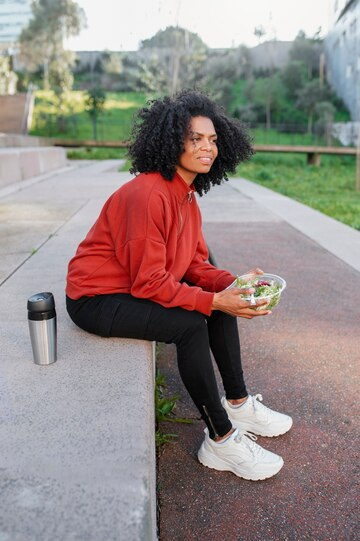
(249, 440)
(256, 403)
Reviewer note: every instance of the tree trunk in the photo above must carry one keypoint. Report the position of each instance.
(268, 116)
(175, 72)
(309, 71)
(328, 134)
(46, 75)
(310, 122)
(94, 123)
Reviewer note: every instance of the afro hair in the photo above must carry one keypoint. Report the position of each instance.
(160, 128)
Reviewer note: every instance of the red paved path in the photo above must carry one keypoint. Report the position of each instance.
(304, 359)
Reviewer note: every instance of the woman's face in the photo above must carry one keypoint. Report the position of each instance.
(200, 149)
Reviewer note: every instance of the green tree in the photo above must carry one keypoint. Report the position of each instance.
(94, 105)
(154, 78)
(221, 70)
(168, 38)
(308, 52)
(308, 98)
(8, 78)
(42, 40)
(325, 112)
(268, 93)
(293, 76)
(176, 57)
(113, 64)
(60, 75)
(246, 113)
(61, 82)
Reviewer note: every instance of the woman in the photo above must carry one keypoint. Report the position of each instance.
(143, 272)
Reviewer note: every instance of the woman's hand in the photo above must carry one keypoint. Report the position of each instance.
(230, 302)
(255, 271)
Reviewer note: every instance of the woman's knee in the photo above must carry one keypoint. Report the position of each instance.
(193, 320)
(193, 325)
(170, 324)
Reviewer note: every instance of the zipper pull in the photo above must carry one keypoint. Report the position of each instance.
(210, 421)
(190, 197)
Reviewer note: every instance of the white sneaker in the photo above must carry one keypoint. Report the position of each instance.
(257, 418)
(240, 455)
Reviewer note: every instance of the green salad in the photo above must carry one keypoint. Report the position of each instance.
(265, 289)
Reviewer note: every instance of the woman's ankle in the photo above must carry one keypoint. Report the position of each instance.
(237, 401)
(219, 439)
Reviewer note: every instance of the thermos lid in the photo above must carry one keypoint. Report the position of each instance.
(41, 302)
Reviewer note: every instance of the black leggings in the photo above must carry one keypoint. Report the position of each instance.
(122, 315)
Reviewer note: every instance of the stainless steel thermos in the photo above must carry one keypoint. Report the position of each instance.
(42, 326)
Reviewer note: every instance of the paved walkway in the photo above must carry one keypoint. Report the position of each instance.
(304, 358)
(32, 211)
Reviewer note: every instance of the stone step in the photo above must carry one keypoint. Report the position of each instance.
(18, 164)
(77, 437)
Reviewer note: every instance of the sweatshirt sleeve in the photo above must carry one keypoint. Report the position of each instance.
(145, 258)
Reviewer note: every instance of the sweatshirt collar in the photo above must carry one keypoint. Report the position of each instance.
(181, 188)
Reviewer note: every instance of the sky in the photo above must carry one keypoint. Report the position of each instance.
(120, 25)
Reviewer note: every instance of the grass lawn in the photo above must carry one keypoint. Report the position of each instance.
(114, 124)
(328, 188)
(273, 137)
(82, 153)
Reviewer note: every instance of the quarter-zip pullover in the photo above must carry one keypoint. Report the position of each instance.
(147, 241)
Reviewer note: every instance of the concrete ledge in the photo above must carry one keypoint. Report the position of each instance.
(77, 449)
(14, 140)
(18, 164)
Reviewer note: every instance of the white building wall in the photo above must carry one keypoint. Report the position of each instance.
(14, 15)
(342, 49)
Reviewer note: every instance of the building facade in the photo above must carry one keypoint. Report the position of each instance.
(14, 15)
(342, 50)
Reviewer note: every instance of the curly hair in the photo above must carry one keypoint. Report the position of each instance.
(159, 131)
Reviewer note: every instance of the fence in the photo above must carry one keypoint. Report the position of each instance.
(115, 129)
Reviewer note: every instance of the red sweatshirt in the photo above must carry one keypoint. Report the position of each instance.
(147, 239)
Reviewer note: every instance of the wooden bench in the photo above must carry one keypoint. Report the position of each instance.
(313, 152)
(89, 143)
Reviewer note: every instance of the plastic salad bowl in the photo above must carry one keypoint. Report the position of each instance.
(267, 287)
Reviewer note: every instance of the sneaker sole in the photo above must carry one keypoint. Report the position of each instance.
(207, 461)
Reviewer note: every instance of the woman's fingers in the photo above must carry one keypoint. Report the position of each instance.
(254, 313)
(232, 302)
(261, 302)
(257, 270)
(247, 309)
(246, 291)
(246, 312)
